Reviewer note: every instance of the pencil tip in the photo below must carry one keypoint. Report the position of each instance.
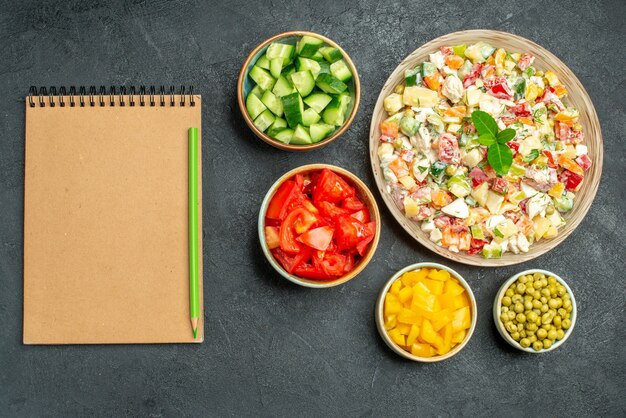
(195, 332)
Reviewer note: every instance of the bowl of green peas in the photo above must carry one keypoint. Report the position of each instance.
(535, 311)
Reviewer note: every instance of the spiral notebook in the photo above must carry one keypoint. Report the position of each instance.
(106, 256)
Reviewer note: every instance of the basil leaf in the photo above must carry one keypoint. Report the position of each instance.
(484, 123)
(500, 157)
(505, 136)
(486, 140)
(534, 153)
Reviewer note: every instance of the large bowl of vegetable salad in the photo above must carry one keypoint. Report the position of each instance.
(298, 91)
(486, 148)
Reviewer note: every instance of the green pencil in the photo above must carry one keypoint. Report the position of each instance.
(194, 294)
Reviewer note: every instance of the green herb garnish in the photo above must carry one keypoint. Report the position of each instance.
(499, 155)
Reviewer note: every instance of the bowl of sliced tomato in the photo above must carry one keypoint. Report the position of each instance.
(319, 225)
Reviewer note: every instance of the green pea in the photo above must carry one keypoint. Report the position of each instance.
(522, 280)
(537, 311)
(542, 333)
(532, 338)
(524, 342)
(544, 308)
(509, 292)
(554, 303)
(515, 336)
(528, 305)
(531, 327)
(566, 324)
(562, 312)
(536, 304)
(532, 316)
(569, 308)
(537, 276)
(536, 294)
(557, 321)
(552, 335)
(527, 298)
(547, 343)
(546, 326)
(551, 280)
(545, 292)
(506, 301)
(504, 318)
(560, 334)
(521, 318)
(539, 284)
(509, 326)
(521, 288)
(567, 303)
(537, 345)
(516, 298)
(518, 308)
(504, 309)
(511, 315)
(561, 290)
(522, 333)
(546, 318)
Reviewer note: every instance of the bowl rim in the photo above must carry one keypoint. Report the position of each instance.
(483, 34)
(379, 315)
(497, 304)
(374, 213)
(243, 73)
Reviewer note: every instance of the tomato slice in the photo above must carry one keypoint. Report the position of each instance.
(311, 272)
(282, 201)
(363, 215)
(317, 238)
(331, 188)
(349, 232)
(291, 262)
(353, 204)
(334, 264)
(271, 237)
(361, 247)
(297, 222)
(330, 210)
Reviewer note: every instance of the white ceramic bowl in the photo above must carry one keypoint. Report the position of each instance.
(380, 319)
(497, 304)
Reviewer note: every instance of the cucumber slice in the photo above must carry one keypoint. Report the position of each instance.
(276, 66)
(335, 112)
(410, 76)
(264, 120)
(278, 125)
(304, 82)
(324, 67)
(294, 108)
(283, 87)
(262, 78)
(318, 56)
(308, 46)
(340, 70)
(320, 131)
(273, 103)
(331, 54)
(301, 136)
(254, 106)
(318, 101)
(284, 136)
(310, 116)
(303, 64)
(278, 50)
(288, 70)
(257, 91)
(263, 62)
(330, 84)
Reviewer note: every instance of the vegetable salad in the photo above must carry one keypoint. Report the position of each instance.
(482, 149)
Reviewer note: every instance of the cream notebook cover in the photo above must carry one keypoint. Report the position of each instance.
(106, 257)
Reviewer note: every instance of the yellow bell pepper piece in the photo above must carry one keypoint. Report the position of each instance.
(415, 331)
(442, 318)
(447, 301)
(421, 289)
(390, 322)
(428, 334)
(405, 294)
(532, 91)
(557, 190)
(499, 57)
(461, 319)
(447, 340)
(425, 303)
(461, 301)
(403, 329)
(453, 287)
(422, 350)
(441, 275)
(396, 337)
(552, 78)
(435, 286)
(411, 277)
(395, 287)
(392, 305)
(407, 316)
(458, 336)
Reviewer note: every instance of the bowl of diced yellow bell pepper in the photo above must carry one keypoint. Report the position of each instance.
(426, 312)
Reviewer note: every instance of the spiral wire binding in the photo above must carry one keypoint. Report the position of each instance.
(38, 96)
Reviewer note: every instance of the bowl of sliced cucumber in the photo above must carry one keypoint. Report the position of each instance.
(298, 91)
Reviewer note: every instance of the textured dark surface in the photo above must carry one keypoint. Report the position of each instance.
(271, 347)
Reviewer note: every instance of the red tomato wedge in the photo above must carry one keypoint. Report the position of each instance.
(331, 188)
(318, 238)
(353, 204)
(291, 262)
(297, 222)
(362, 215)
(330, 210)
(350, 232)
(308, 271)
(282, 199)
(361, 247)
